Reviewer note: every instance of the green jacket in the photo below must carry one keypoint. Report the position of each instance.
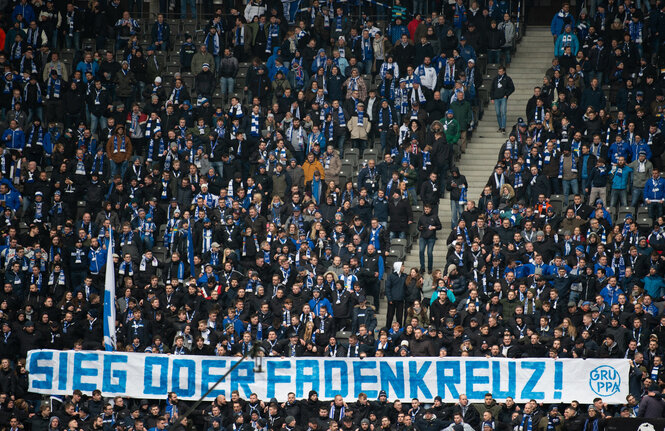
(410, 176)
(463, 113)
(451, 130)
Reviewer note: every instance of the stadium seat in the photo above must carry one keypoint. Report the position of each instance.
(398, 250)
(623, 211)
(370, 154)
(645, 222)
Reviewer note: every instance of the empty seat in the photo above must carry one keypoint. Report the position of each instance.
(397, 251)
(351, 157)
(645, 222)
(556, 201)
(623, 211)
(349, 151)
(370, 154)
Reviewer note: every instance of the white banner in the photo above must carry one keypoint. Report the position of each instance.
(140, 375)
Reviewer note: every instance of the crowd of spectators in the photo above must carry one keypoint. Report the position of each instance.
(234, 223)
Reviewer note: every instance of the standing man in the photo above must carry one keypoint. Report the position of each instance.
(395, 286)
(562, 19)
(428, 224)
(401, 216)
(654, 194)
(502, 88)
(457, 186)
(620, 179)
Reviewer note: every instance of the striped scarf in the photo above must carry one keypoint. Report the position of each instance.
(573, 164)
(53, 87)
(390, 116)
(340, 116)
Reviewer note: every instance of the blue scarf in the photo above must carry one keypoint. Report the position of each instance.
(573, 164)
(340, 116)
(527, 423)
(390, 116)
(427, 162)
(518, 180)
(449, 75)
(374, 238)
(53, 86)
(59, 282)
(594, 424)
(255, 125)
(462, 200)
(619, 267)
(329, 128)
(40, 135)
(273, 33)
(387, 91)
(466, 231)
(367, 49)
(122, 148)
(39, 93)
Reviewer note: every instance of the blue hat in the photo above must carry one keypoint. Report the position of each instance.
(296, 208)
(206, 220)
(496, 212)
(450, 111)
(628, 216)
(580, 248)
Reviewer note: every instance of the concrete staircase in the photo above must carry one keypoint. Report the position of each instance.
(533, 58)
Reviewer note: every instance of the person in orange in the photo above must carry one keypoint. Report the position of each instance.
(119, 150)
(311, 165)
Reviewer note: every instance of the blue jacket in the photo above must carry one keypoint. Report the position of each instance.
(559, 22)
(530, 269)
(381, 210)
(655, 192)
(621, 177)
(642, 146)
(467, 52)
(564, 40)
(12, 199)
(315, 306)
(97, 260)
(654, 286)
(611, 296)
(396, 32)
(26, 11)
(14, 139)
(395, 287)
(617, 150)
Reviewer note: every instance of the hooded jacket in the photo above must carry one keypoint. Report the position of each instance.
(395, 284)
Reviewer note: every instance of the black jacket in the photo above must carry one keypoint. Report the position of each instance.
(454, 183)
(425, 222)
(430, 192)
(502, 86)
(400, 215)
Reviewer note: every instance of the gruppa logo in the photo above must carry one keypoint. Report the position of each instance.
(604, 380)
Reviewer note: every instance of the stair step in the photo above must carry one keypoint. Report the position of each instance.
(534, 56)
